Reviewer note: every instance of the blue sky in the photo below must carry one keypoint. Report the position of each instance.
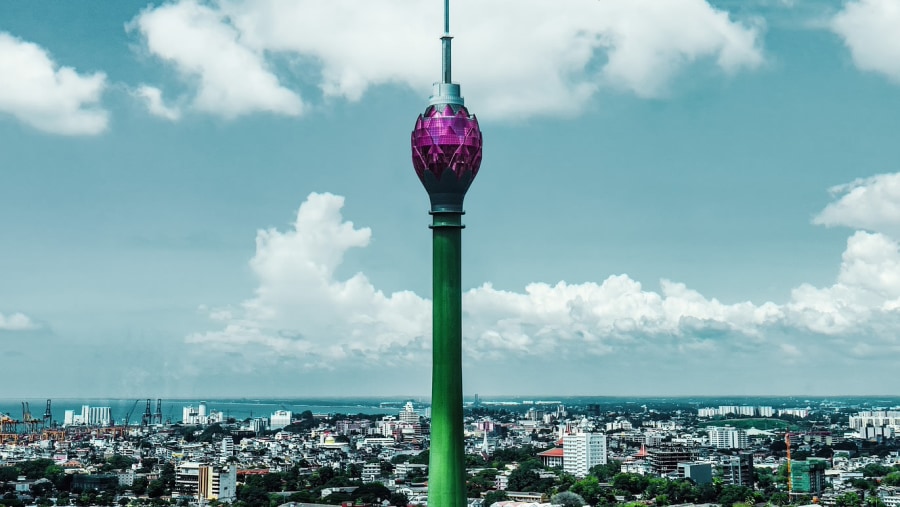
(202, 199)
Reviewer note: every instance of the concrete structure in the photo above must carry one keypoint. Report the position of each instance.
(92, 416)
(280, 419)
(727, 437)
(875, 418)
(198, 480)
(583, 451)
(227, 446)
(409, 415)
(698, 473)
(808, 476)
(199, 415)
(446, 154)
(665, 460)
(738, 470)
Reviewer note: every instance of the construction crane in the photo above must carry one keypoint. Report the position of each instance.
(130, 412)
(790, 480)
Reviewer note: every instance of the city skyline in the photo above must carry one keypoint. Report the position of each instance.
(685, 198)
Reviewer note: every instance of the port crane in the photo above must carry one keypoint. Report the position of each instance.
(48, 416)
(30, 421)
(147, 418)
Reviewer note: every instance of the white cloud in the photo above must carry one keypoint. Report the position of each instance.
(16, 322)
(542, 59)
(38, 92)
(866, 291)
(301, 310)
(304, 315)
(871, 203)
(232, 79)
(152, 98)
(869, 30)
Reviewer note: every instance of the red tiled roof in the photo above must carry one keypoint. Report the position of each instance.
(556, 452)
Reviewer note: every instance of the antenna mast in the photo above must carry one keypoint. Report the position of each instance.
(445, 43)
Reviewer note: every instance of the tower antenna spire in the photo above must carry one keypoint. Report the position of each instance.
(445, 43)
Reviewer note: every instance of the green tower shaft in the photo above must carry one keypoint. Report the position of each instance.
(446, 154)
(447, 461)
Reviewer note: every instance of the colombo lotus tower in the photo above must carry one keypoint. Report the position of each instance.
(446, 154)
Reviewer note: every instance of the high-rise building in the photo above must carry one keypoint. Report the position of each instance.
(738, 470)
(808, 476)
(727, 437)
(583, 451)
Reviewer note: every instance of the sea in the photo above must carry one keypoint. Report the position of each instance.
(243, 408)
(172, 409)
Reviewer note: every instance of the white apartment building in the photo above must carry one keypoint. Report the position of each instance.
(280, 419)
(744, 410)
(409, 415)
(875, 418)
(727, 437)
(797, 412)
(228, 446)
(583, 451)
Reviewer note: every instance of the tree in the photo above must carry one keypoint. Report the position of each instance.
(399, 500)
(494, 497)
(354, 470)
(167, 476)
(588, 489)
(605, 471)
(891, 479)
(480, 482)
(34, 469)
(139, 486)
(526, 478)
(373, 493)
(632, 483)
(733, 494)
(118, 462)
(850, 499)
(155, 489)
(253, 496)
(780, 498)
(567, 499)
(875, 470)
